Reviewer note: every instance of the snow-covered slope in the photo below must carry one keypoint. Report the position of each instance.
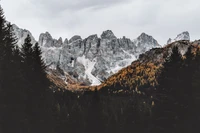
(93, 59)
(89, 66)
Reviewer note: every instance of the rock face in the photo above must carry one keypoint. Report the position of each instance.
(182, 36)
(75, 38)
(93, 59)
(21, 34)
(46, 40)
(108, 35)
(145, 42)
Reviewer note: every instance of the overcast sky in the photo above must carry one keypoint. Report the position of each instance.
(160, 18)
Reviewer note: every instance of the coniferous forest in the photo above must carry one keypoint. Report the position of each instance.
(29, 105)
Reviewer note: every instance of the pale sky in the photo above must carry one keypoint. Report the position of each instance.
(64, 18)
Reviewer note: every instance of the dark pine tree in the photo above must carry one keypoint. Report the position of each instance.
(40, 97)
(27, 57)
(27, 66)
(12, 102)
(42, 92)
(3, 31)
(39, 68)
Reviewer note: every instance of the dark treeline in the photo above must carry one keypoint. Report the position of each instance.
(28, 105)
(25, 97)
(178, 93)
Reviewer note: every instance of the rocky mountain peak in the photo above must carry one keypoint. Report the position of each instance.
(182, 36)
(47, 40)
(108, 34)
(21, 34)
(145, 42)
(169, 41)
(14, 26)
(60, 40)
(75, 38)
(147, 38)
(144, 34)
(48, 34)
(66, 41)
(92, 37)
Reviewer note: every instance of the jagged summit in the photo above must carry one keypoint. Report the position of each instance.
(182, 36)
(46, 40)
(145, 38)
(75, 38)
(143, 34)
(66, 41)
(93, 59)
(108, 34)
(92, 36)
(169, 41)
(21, 34)
(60, 39)
(145, 42)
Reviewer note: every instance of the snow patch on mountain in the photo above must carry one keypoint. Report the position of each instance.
(123, 63)
(89, 66)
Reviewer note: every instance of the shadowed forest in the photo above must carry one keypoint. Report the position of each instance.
(28, 103)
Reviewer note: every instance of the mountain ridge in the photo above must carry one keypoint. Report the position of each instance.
(92, 60)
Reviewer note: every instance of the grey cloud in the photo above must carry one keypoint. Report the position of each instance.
(160, 18)
(61, 5)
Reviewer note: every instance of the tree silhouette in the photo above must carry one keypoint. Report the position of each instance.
(12, 95)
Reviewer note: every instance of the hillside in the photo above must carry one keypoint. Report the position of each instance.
(144, 71)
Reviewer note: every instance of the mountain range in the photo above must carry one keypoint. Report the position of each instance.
(92, 60)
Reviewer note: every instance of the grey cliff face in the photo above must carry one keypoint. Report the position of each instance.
(93, 59)
(46, 40)
(144, 43)
(108, 34)
(169, 41)
(66, 42)
(75, 38)
(21, 34)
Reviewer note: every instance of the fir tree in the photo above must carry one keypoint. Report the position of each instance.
(12, 111)
(3, 30)
(39, 68)
(39, 100)
(27, 52)
(40, 65)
